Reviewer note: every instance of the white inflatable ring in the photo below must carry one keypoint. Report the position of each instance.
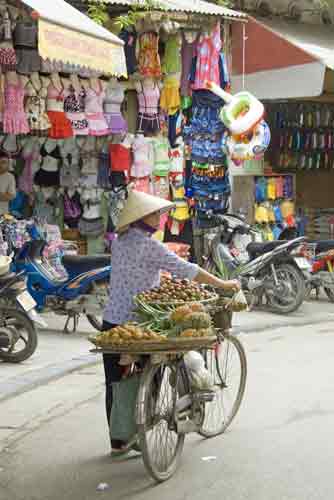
(241, 148)
(242, 114)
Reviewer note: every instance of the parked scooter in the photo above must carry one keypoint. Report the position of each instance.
(81, 289)
(272, 272)
(322, 275)
(18, 336)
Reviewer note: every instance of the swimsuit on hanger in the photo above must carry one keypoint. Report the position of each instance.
(112, 110)
(35, 108)
(148, 118)
(61, 127)
(74, 106)
(94, 112)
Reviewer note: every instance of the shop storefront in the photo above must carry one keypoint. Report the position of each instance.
(174, 129)
(56, 65)
(95, 112)
(291, 71)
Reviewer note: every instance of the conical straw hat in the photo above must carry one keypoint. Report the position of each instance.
(139, 205)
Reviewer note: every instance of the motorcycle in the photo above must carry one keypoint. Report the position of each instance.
(18, 316)
(81, 287)
(322, 274)
(271, 273)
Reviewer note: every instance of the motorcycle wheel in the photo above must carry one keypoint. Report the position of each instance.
(288, 272)
(19, 325)
(330, 294)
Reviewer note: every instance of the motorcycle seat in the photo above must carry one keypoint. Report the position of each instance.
(323, 245)
(256, 249)
(83, 263)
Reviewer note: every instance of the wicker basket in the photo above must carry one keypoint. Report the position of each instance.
(172, 345)
(205, 302)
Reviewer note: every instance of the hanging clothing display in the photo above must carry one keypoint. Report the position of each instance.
(149, 59)
(208, 54)
(188, 52)
(94, 111)
(148, 100)
(60, 125)
(14, 118)
(129, 38)
(114, 98)
(170, 100)
(7, 53)
(74, 107)
(172, 56)
(25, 42)
(35, 108)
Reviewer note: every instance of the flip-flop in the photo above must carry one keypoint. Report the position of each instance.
(126, 454)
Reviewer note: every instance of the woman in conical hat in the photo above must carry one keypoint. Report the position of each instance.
(136, 262)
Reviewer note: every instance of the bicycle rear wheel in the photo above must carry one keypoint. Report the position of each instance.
(228, 367)
(160, 444)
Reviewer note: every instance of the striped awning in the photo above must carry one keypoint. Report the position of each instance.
(68, 36)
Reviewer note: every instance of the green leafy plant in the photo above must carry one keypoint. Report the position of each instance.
(98, 11)
(221, 270)
(137, 11)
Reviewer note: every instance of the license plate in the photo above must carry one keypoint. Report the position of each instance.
(26, 301)
(303, 263)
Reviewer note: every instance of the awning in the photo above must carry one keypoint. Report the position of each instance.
(188, 6)
(69, 36)
(282, 59)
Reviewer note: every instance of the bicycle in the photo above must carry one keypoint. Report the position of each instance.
(168, 409)
(167, 413)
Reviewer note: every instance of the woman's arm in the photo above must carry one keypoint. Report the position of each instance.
(209, 279)
(163, 259)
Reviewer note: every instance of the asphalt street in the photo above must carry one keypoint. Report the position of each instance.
(54, 444)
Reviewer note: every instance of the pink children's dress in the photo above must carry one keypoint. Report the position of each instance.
(94, 112)
(14, 117)
(208, 53)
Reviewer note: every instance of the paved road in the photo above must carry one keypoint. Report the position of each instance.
(54, 445)
(60, 353)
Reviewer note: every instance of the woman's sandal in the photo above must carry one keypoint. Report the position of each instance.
(127, 453)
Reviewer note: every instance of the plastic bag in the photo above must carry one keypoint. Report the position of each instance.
(239, 302)
(122, 420)
(200, 378)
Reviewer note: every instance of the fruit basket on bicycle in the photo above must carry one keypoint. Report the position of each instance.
(168, 398)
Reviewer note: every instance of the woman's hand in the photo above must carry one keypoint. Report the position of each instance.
(233, 285)
(210, 279)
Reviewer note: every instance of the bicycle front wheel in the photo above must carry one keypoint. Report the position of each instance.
(160, 444)
(228, 367)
